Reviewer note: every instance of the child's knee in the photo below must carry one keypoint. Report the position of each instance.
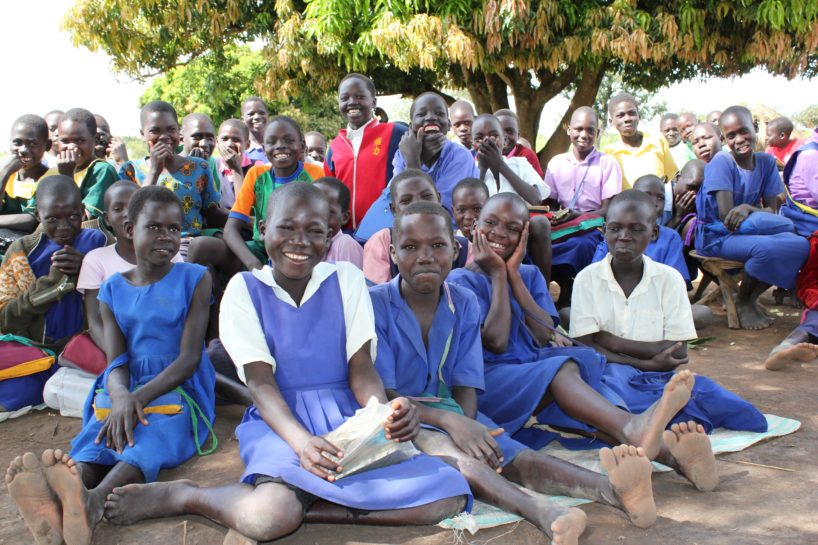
(539, 226)
(271, 511)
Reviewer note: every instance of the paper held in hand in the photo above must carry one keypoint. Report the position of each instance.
(363, 441)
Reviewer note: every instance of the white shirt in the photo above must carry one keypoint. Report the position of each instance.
(657, 309)
(522, 168)
(99, 264)
(356, 136)
(240, 330)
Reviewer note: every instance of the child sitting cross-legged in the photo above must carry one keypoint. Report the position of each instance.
(153, 407)
(300, 393)
(409, 186)
(636, 313)
(429, 348)
(529, 371)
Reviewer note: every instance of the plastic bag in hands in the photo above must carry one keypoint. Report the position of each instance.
(363, 441)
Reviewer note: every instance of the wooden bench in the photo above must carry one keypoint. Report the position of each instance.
(717, 268)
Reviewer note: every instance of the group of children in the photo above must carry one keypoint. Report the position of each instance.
(202, 276)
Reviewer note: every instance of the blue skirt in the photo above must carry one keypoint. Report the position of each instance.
(576, 252)
(418, 481)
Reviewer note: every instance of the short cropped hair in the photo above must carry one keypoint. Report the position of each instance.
(422, 207)
(57, 185)
(344, 196)
(508, 197)
(287, 120)
(315, 133)
(783, 124)
(427, 93)
(471, 183)
(692, 169)
(248, 100)
(737, 111)
(633, 197)
(239, 124)
(619, 98)
(668, 116)
(150, 193)
(505, 112)
(462, 105)
(296, 191)
(648, 179)
(405, 175)
(81, 115)
(156, 106)
(35, 122)
(368, 83)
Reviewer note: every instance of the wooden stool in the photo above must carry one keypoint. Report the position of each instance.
(717, 268)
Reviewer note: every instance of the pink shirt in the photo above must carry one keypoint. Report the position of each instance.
(376, 257)
(99, 264)
(343, 247)
(603, 179)
(804, 175)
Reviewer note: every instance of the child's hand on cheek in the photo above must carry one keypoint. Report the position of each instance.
(68, 260)
(516, 259)
(67, 162)
(403, 424)
(484, 256)
(314, 459)
(410, 146)
(12, 164)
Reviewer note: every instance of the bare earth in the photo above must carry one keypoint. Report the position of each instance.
(752, 505)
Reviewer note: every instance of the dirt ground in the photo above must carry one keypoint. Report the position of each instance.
(753, 505)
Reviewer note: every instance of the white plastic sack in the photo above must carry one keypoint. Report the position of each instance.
(67, 390)
(362, 440)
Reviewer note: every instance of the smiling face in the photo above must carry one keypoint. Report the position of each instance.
(424, 251)
(629, 228)
(739, 134)
(103, 137)
(705, 141)
(75, 135)
(356, 102)
(467, 203)
(157, 233)
(53, 122)
(283, 146)
(160, 127)
(410, 190)
(296, 237)
(502, 222)
(487, 128)
(511, 132)
(686, 123)
(583, 131)
(430, 114)
(462, 119)
(198, 137)
(28, 144)
(625, 118)
(670, 130)
(254, 114)
(337, 215)
(316, 147)
(233, 137)
(116, 207)
(61, 216)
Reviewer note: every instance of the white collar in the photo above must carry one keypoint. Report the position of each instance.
(321, 272)
(650, 270)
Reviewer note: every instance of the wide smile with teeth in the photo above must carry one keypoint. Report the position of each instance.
(296, 257)
(353, 111)
(433, 129)
(281, 156)
(496, 246)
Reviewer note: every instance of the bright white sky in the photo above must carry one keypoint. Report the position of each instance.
(66, 77)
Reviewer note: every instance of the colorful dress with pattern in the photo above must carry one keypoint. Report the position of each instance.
(192, 183)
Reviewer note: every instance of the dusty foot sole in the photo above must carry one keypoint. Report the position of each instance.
(791, 354)
(567, 528)
(37, 503)
(690, 446)
(64, 479)
(629, 472)
(645, 430)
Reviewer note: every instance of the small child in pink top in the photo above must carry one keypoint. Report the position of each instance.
(342, 247)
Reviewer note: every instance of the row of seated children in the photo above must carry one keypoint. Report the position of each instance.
(410, 337)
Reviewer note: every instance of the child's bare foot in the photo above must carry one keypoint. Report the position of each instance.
(36, 501)
(81, 511)
(645, 430)
(629, 472)
(786, 353)
(563, 525)
(750, 316)
(690, 446)
(235, 538)
(134, 502)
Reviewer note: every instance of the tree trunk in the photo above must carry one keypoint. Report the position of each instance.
(584, 96)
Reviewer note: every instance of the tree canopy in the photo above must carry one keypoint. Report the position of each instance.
(531, 49)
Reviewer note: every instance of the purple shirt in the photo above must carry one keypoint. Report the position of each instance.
(804, 176)
(454, 164)
(603, 179)
(345, 248)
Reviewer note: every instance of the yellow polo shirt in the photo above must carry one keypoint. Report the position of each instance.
(652, 157)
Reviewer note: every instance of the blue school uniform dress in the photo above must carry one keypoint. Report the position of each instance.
(771, 258)
(65, 317)
(517, 379)
(335, 315)
(666, 249)
(575, 253)
(453, 358)
(152, 319)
